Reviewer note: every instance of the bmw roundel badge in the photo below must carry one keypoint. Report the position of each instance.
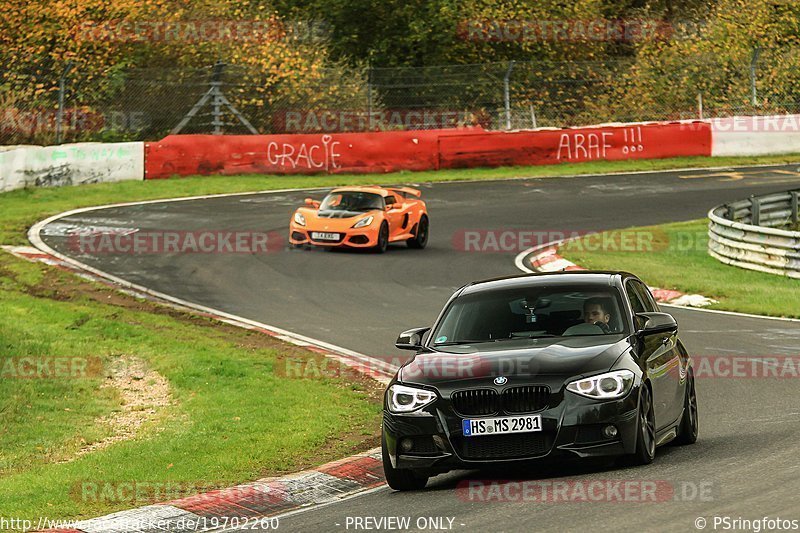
(500, 380)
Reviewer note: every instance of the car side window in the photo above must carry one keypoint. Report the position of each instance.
(634, 298)
(390, 200)
(645, 295)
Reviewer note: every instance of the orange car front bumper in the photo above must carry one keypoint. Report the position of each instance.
(351, 238)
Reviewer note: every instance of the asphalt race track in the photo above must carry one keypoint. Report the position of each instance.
(745, 463)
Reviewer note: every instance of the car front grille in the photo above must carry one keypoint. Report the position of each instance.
(525, 399)
(475, 402)
(513, 446)
(479, 402)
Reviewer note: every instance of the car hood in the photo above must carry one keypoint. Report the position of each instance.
(479, 364)
(332, 220)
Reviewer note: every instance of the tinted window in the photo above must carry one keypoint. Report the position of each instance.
(645, 296)
(633, 298)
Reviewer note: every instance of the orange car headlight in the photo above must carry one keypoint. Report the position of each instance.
(299, 219)
(364, 222)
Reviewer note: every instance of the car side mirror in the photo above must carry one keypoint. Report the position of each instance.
(654, 323)
(411, 339)
(311, 202)
(389, 207)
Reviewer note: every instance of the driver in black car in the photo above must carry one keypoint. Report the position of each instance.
(595, 311)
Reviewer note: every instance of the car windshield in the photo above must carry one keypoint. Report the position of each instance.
(530, 312)
(352, 201)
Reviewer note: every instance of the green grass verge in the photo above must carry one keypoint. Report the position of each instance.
(674, 256)
(230, 418)
(232, 415)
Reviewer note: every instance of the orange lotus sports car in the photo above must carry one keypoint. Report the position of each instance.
(362, 217)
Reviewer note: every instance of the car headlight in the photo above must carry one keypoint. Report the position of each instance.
(364, 222)
(299, 219)
(403, 399)
(604, 386)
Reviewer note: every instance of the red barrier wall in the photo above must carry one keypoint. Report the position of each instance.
(638, 141)
(185, 155)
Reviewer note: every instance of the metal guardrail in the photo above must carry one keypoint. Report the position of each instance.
(754, 234)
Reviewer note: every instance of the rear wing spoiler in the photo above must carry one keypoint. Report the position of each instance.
(406, 191)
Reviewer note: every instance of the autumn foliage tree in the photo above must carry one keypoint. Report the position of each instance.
(155, 56)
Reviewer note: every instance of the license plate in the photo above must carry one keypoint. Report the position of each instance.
(321, 236)
(475, 427)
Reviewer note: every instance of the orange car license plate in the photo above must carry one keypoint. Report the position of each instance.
(321, 236)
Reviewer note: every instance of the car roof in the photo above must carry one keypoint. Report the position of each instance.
(583, 277)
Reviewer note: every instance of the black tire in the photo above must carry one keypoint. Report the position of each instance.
(383, 239)
(645, 431)
(420, 239)
(400, 478)
(690, 424)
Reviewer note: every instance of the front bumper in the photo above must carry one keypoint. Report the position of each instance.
(572, 428)
(352, 238)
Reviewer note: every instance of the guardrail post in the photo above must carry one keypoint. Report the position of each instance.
(794, 195)
(730, 212)
(755, 211)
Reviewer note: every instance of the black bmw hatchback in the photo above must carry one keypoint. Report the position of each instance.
(535, 367)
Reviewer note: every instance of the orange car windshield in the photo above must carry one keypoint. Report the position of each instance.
(352, 201)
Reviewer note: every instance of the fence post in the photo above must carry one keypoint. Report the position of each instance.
(755, 211)
(730, 212)
(753, 65)
(506, 94)
(61, 89)
(700, 104)
(369, 94)
(533, 117)
(216, 88)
